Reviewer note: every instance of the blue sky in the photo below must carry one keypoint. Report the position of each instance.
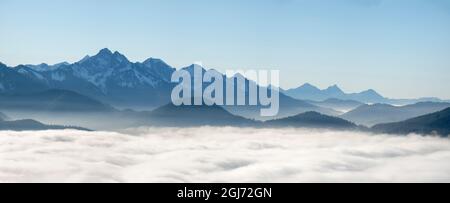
(400, 48)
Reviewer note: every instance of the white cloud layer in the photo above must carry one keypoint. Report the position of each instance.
(221, 155)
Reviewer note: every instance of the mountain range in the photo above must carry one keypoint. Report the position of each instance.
(187, 116)
(435, 123)
(194, 116)
(190, 116)
(370, 115)
(342, 106)
(312, 120)
(310, 92)
(29, 124)
(107, 77)
(52, 101)
(110, 78)
(107, 91)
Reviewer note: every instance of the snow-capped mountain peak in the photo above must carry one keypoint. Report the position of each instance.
(106, 73)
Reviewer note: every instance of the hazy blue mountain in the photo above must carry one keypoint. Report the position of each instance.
(383, 113)
(312, 120)
(368, 96)
(307, 92)
(52, 101)
(288, 107)
(28, 124)
(334, 91)
(338, 104)
(310, 92)
(402, 102)
(187, 116)
(216, 115)
(65, 107)
(435, 123)
(96, 120)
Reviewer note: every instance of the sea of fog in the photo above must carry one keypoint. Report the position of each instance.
(221, 155)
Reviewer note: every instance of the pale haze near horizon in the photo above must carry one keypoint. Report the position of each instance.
(401, 48)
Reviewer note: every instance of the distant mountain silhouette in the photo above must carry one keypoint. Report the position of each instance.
(310, 92)
(52, 101)
(370, 115)
(337, 104)
(25, 125)
(187, 116)
(312, 120)
(288, 107)
(435, 123)
(306, 92)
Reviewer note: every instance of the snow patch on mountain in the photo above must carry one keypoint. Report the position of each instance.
(31, 73)
(56, 76)
(145, 80)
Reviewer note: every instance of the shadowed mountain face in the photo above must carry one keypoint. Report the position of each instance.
(312, 120)
(435, 123)
(383, 113)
